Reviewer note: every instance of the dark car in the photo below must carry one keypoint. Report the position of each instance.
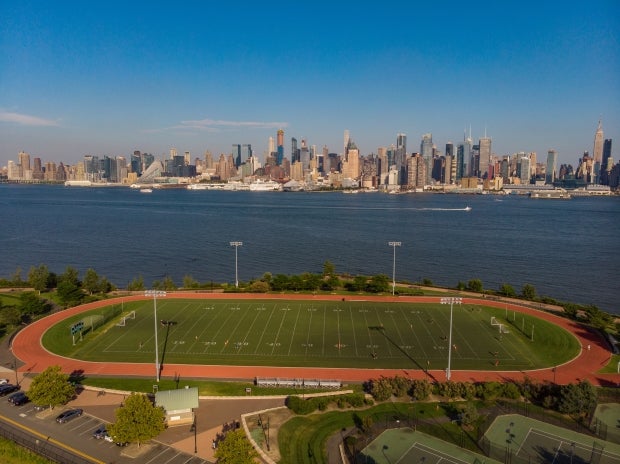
(100, 432)
(7, 388)
(18, 398)
(69, 414)
(41, 407)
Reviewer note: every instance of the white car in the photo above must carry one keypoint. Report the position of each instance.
(4, 381)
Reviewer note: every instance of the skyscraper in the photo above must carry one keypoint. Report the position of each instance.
(280, 154)
(552, 166)
(597, 153)
(484, 153)
(236, 154)
(426, 150)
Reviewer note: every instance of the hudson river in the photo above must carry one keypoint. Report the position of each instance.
(567, 249)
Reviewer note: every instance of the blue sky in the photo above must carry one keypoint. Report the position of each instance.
(107, 78)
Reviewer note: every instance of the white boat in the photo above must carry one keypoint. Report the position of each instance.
(146, 190)
(467, 208)
(265, 186)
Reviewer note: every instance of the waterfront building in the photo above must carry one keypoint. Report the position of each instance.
(416, 172)
(426, 150)
(552, 166)
(400, 157)
(525, 170)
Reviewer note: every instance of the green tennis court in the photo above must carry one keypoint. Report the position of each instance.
(525, 440)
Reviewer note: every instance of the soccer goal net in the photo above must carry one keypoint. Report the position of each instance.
(125, 318)
(92, 322)
(500, 326)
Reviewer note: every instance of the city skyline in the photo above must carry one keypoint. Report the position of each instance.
(118, 78)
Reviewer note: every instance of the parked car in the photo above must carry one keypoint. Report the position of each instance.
(41, 407)
(3, 381)
(115, 441)
(69, 414)
(101, 432)
(7, 388)
(18, 398)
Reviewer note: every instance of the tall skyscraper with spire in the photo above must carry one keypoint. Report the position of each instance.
(597, 153)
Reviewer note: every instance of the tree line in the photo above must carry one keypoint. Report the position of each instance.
(69, 290)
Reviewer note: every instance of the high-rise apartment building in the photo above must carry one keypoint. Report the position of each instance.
(426, 151)
(552, 167)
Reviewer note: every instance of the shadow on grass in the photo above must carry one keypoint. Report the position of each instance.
(381, 330)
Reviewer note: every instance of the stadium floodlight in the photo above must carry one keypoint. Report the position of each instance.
(394, 245)
(155, 294)
(236, 245)
(451, 301)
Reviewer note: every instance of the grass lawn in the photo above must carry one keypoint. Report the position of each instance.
(12, 453)
(354, 334)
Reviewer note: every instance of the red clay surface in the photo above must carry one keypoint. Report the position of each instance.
(27, 347)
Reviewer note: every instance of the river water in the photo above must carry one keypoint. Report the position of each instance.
(566, 249)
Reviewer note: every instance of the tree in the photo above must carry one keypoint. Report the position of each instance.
(32, 305)
(328, 269)
(507, 290)
(137, 421)
(236, 449)
(528, 292)
(69, 294)
(468, 414)
(190, 282)
(70, 275)
(51, 387)
(378, 284)
(10, 316)
(136, 284)
(475, 285)
(577, 399)
(38, 277)
(91, 282)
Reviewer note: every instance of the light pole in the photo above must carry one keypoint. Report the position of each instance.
(236, 245)
(394, 245)
(451, 301)
(155, 294)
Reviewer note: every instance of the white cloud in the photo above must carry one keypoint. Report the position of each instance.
(216, 125)
(25, 119)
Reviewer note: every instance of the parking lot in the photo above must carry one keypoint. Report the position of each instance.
(76, 436)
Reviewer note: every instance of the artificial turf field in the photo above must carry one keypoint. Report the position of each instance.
(353, 334)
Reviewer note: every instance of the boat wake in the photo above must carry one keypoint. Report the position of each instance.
(467, 208)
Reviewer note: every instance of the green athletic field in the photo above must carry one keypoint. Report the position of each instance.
(356, 334)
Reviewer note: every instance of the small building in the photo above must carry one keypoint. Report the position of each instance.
(178, 404)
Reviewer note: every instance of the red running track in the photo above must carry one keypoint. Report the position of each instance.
(27, 347)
